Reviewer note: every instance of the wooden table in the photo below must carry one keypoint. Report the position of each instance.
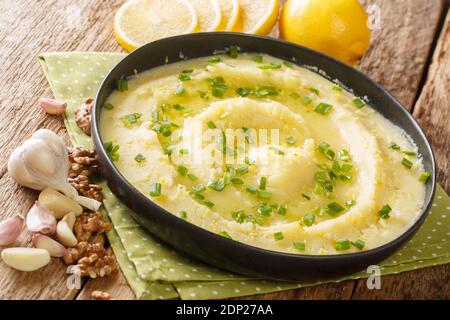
(409, 55)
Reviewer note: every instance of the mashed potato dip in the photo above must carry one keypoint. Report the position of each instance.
(266, 153)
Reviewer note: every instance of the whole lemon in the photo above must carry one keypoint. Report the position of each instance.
(337, 28)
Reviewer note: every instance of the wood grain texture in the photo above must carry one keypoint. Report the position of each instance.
(28, 28)
(399, 49)
(432, 111)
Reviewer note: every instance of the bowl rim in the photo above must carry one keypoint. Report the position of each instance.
(405, 235)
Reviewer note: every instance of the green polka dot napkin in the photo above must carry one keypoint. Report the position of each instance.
(153, 269)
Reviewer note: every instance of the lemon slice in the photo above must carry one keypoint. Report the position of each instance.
(258, 16)
(209, 14)
(140, 21)
(230, 14)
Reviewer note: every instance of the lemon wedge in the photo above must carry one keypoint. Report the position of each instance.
(258, 16)
(230, 14)
(209, 14)
(141, 21)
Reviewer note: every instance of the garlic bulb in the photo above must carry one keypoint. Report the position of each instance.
(42, 161)
(40, 219)
(10, 230)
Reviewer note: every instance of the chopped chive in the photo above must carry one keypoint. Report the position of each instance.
(262, 183)
(185, 75)
(306, 196)
(224, 234)
(394, 146)
(337, 88)
(182, 170)
(217, 185)
(263, 194)
(122, 85)
(199, 188)
(214, 60)
(424, 177)
(211, 124)
(249, 161)
(191, 176)
(358, 103)
(270, 66)
(243, 92)
(234, 51)
(258, 58)
(183, 214)
(251, 189)
(242, 169)
(309, 218)
(237, 181)
(131, 119)
(265, 210)
(276, 150)
(208, 203)
(299, 246)
(323, 108)
(294, 95)
(180, 91)
(282, 210)
(344, 155)
(288, 63)
(384, 211)
(290, 140)
(342, 245)
(155, 189)
(306, 100)
(315, 91)
(278, 236)
(183, 151)
(112, 150)
(178, 107)
(334, 208)
(203, 94)
(407, 163)
(108, 106)
(410, 153)
(350, 203)
(139, 158)
(265, 91)
(346, 167)
(358, 244)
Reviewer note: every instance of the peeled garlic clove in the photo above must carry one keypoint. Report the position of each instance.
(58, 203)
(40, 219)
(89, 203)
(25, 259)
(54, 248)
(10, 230)
(52, 106)
(64, 230)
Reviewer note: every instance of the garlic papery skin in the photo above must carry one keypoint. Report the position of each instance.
(10, 230)
(40, 219)
(64, 230)
(58, 203)
(54, 248)
(52, 106)
(25, 259)
(42, 161)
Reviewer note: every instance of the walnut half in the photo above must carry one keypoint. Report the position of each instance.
(83, 116)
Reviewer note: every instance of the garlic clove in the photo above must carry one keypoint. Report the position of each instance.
(25, 259)
(64, 230)
(40, 219)
(52, 106)
(89, 203)
(10, 230)
(54, 248)
(58, 203)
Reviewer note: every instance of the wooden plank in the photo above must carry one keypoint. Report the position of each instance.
(432, 110)
(116, 285)
(28, 28)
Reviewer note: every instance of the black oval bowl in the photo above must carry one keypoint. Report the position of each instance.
(229, 254)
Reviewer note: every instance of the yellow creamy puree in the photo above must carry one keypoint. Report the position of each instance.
(309, 167)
